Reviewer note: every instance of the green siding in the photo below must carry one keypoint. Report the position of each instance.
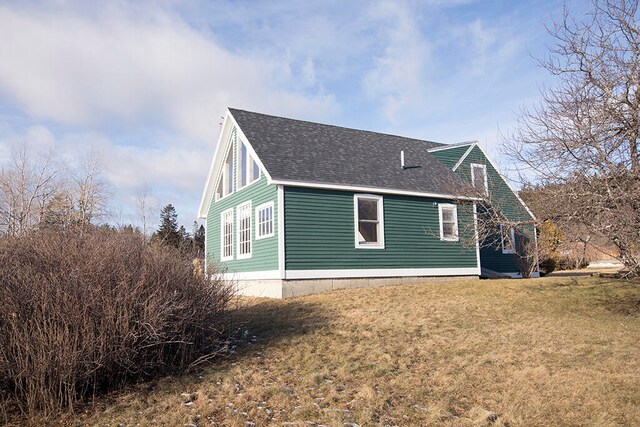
(264, 251)
(320, 233)
(501, 195)
(451, 156)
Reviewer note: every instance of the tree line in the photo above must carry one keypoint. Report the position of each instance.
(38, 191)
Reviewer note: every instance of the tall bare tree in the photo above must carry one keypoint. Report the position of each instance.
(582, 138)
(27, 184)
(89, 189)
(145, 205)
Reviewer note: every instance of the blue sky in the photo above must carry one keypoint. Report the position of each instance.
(146, 83)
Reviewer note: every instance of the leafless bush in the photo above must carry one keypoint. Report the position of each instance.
(87, 312)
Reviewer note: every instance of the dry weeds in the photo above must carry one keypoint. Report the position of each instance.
(545, 352)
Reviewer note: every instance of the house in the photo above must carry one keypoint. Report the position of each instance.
(294, 207)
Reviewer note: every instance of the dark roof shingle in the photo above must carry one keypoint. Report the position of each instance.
(307, 152)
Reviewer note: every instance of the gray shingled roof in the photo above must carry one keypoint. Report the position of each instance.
(296, 150)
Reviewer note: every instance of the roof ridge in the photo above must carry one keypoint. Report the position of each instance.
(340, 127)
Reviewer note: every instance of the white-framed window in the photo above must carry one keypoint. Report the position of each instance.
(226, 235)
(508, 237)
(243, 212)
(264, 221)
(225, 182)
(479, 178)
(448, 222)
(369, 221)
(248, 169)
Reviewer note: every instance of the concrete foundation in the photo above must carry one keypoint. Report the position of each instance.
(295, 288)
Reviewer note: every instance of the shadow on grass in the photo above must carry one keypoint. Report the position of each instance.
(624, 299)
(270, 321)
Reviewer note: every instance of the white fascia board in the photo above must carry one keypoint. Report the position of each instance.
(250, 148)
(381, 272)
(508, 184)
(450, 146)
(464, 156)
(372, 190)
(207, 194)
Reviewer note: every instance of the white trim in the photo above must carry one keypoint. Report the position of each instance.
(475, 230)
(239, 245)
(206, 245)
(464, 156)
(442, 206)
(252, 275)
(368, 189)
(508, 184)
(512, 233)
(450, 146)
(381, 272)
(280, 226)
(273, 220)
(535, 239)
(222, 214)
(379, 201)
(207, 194)
(486, 177)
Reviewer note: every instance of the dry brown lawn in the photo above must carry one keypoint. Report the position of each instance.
(553, 351)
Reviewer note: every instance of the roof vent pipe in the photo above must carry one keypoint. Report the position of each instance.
(402, 159)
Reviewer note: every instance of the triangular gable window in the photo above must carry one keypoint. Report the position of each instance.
(248, 168)
(225, 184)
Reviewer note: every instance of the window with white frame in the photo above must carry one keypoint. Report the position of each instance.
(264, 220)
(248, 168)
(508, 239)
(226, 235)
(369, 221)
(225, 183)
(244, 230)
(448, 222)
(479, 178)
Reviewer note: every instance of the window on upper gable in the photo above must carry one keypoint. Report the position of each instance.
(369, 221)
(225, 184)
(448, 222)
(479, 178)
(249, 170)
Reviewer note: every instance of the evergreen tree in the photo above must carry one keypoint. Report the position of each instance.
(198, 237)
(168, 233)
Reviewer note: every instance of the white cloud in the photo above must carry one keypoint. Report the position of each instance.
(130, 66)
(398, 76)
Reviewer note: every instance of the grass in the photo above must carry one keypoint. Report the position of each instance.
(545, 352)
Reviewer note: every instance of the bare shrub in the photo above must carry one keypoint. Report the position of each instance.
(87, 312)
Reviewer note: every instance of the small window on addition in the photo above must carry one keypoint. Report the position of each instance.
(479, 178)
(369, 221)
(448, 222)
(508, 239)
